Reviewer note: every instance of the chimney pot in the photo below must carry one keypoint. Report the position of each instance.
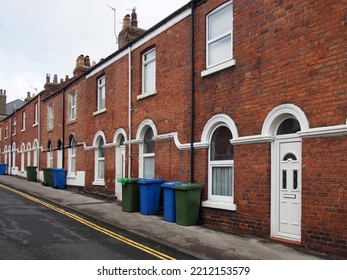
(134, 18)
(126, 21)
(1, 91)
(66, 77)
(55, 79)
(48, 78)
(28, 94)
(87, 61)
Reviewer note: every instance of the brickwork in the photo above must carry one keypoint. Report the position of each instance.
(288, 55)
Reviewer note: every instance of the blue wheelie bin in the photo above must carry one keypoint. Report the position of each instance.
(59, 178)
(170, 201)
(3, 168)
(150, 196)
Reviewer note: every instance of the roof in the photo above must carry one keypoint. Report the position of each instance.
(13, 104)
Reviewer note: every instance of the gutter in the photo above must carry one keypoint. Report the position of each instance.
(129, 111)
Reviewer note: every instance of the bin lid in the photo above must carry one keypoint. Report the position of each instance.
(185, 187)
(172, 184)
(151, 181)
(59, 169)
(123, 181)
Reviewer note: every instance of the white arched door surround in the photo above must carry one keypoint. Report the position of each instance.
(283, 123)
(120, 158)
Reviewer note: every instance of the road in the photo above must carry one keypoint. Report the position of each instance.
(31, 229)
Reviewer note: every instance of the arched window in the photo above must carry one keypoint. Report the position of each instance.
(221, 165)
(100, 172)
(28, 154)
(148, 154)
(22, 157)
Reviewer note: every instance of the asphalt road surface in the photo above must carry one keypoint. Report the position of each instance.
(32, 231)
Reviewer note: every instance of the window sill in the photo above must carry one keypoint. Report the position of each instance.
(72, 122)
(99, 112)
(147, 94)
(219, 205)
(218, 67)
(99, 183)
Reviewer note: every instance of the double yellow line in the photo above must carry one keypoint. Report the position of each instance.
(112, 234)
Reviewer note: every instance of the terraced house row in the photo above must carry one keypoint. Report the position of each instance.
(248, 98)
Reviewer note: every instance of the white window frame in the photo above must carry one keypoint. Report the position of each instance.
(50, 117)
(229, 61)
(6, 130)
(50, 159)
(72, 157)
(28, 154)
(36, 114)
(98, 181)
(145, 64)
(23, 121)
(73, 106)
(14, 126)
(101, 91)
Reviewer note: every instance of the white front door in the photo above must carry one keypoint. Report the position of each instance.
(120, 169)
(287, 190)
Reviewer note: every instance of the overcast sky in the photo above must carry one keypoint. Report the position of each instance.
(47, 36)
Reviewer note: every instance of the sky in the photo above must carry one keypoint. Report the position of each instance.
(46, 36)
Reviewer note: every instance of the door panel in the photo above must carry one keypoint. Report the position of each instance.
(289, 194)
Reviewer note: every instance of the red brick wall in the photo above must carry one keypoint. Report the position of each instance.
(324, 195)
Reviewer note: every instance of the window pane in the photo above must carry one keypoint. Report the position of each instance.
(221, 149)
(101, 153)
(149, 55)
(148, 142)
(289, 126)
(101, 169)
(220, 22)
(219, 50)
(148, 167)
(149, 77)
(222, 181)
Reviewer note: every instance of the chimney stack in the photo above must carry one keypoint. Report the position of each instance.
(82, 65)
(3, 102)
(130, 30)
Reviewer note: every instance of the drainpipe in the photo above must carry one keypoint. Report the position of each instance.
(38, 154)
(192, 126)
(63, 132)
(129, 110)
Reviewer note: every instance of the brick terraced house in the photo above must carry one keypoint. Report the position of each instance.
(248, 98)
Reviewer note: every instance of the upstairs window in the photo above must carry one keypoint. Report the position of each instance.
(50, 117)
(36, 115)
(14, 126)
(219, 39)
(6, 130)
(72, 106)
(23, 120)
(149, 72)
(101, 94)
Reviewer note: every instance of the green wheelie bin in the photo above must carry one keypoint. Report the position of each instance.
(130, 194)
(187, 203)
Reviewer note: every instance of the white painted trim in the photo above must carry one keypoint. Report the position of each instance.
(254, 139)
(218, 67)
(219, 205)
(141, 131)
(215, 121)
(281, 113)
(117, 135)
(328, 131)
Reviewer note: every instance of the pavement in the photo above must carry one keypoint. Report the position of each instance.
(197, 241)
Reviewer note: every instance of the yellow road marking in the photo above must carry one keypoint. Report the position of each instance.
(112, 234)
